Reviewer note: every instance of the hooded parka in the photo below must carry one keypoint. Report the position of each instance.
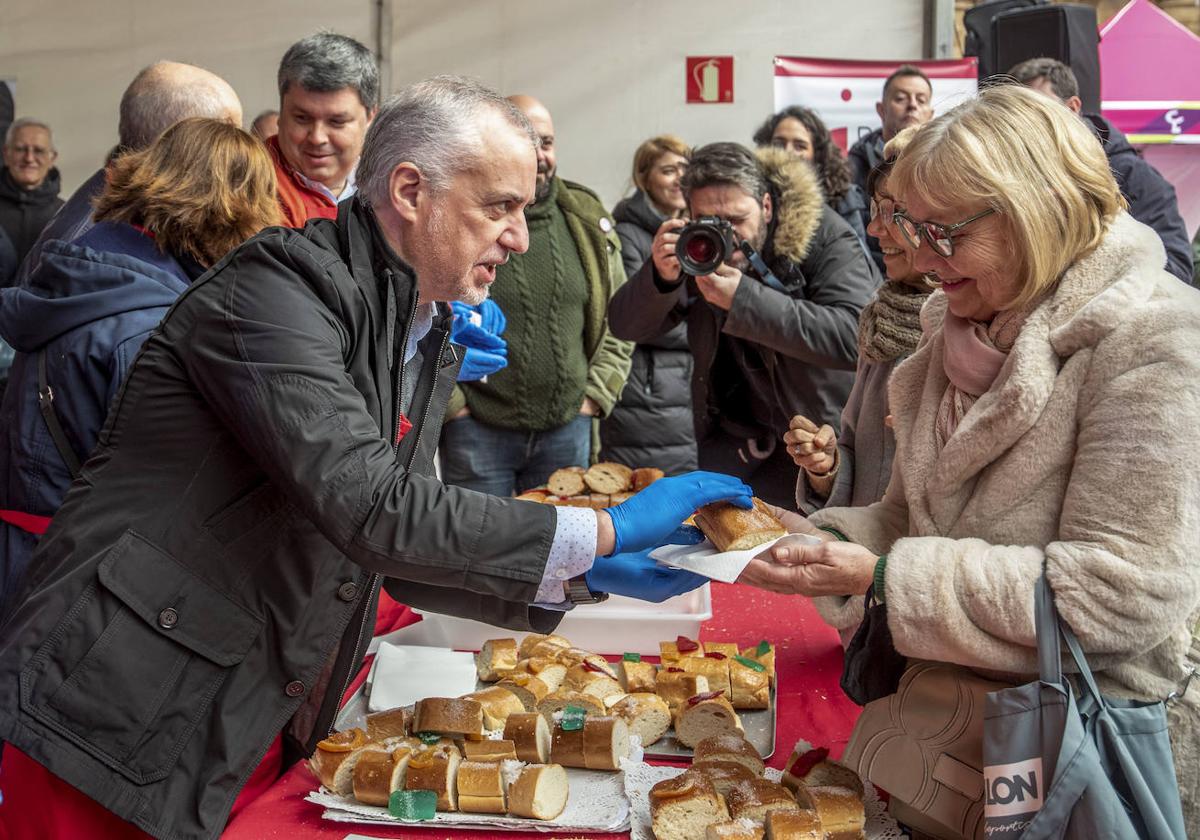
(211, 577)
(88, 309)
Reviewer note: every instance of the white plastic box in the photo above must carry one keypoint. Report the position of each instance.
(619, 625)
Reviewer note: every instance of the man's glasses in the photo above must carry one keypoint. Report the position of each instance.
(36, 151)
(940, 237)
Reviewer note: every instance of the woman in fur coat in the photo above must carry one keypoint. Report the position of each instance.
(1048, 420)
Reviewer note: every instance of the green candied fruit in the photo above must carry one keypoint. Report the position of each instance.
(572, 718)
(412, 805)
(764, 647)
(429, 738)
(632, 657)
(750, 663)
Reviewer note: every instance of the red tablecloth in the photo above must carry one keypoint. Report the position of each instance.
(811, 706)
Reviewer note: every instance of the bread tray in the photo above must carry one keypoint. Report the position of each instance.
(596, 803)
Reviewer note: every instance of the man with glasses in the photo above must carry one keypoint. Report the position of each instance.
(29, 183)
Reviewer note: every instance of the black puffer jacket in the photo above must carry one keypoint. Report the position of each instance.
(652, 424)
(23, 213)
(210, 578)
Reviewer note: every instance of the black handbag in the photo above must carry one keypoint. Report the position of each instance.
(871, 666)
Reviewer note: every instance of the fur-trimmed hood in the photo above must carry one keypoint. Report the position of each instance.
(799, 202)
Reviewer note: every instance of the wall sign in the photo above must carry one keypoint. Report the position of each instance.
(709, 79)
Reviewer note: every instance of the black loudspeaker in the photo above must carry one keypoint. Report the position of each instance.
(978, 23)
(1068, 32)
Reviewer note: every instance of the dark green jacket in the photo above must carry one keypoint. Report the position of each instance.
(595, 236)
(211, 578)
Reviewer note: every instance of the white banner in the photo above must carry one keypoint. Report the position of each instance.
(844, 93)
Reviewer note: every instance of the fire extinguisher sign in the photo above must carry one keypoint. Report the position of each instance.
(709, 79)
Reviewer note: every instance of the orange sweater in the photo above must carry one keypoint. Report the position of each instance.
(298, 202)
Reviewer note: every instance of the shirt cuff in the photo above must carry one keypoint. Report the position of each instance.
(571, 554)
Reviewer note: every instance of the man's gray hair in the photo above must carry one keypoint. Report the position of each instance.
(158, 97)
(433, 125)
(327, 62)
(25, 122)
(725, 163)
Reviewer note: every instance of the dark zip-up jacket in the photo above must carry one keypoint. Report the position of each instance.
(209, 579)
(1151, 197)
(23, 213)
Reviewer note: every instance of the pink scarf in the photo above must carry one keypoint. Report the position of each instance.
(972, 356)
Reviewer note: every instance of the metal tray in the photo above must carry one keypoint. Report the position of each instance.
(758, 723)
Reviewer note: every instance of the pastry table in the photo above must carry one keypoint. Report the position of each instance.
(810, 706)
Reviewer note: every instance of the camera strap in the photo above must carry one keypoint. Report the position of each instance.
(760, 267)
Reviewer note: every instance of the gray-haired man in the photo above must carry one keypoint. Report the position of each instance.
(158, 97)
(268, 463)
(328, 95)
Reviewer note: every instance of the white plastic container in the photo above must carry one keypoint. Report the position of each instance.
(619, 625)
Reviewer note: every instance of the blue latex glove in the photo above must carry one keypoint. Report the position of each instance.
(488, 315)
(646, 518)
(479, 363)
(637, 575)
(486, 352)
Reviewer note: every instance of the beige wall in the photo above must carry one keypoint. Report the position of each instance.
(612, 73)
(73, 58)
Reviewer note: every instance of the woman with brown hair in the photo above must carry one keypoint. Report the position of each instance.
(167, 214)
(800, 132)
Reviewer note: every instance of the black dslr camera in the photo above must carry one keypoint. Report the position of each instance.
(704, 244)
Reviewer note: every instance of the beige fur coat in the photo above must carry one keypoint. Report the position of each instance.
(1083, 456)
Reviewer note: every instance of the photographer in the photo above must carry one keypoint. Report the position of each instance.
(769, 341)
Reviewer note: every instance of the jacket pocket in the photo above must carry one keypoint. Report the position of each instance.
(133, 667)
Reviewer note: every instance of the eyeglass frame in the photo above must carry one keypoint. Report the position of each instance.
(922, 230)
(37, 151)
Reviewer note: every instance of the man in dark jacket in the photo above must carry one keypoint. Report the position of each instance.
(158, 97)
(210, 576)
(1151, 197)
(29, 183)
(907, 100)
(764, 348)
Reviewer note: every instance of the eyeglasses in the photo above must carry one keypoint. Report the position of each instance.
(940, 237)
(36, 151)
(886, 208)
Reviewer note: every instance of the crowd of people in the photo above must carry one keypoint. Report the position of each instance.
(266, 386)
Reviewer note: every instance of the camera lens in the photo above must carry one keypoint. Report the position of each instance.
(701, 250)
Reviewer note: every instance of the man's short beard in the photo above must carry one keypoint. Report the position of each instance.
(541, 189)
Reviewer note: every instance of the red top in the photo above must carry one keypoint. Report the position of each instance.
(298, 201)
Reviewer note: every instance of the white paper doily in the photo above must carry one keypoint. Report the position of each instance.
(640, 777)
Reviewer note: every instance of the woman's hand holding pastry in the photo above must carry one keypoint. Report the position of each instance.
(793, 567)
(813, 448)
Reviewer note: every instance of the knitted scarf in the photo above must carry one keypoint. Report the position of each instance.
(890, 325)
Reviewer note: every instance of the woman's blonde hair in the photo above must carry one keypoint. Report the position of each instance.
(1031, 159)
(201, 189)
(650, 151)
